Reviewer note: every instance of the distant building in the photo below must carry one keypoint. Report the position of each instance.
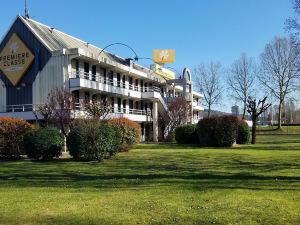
(235, 110)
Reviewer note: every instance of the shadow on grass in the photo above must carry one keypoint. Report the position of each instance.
(169, 166)
(139, 175)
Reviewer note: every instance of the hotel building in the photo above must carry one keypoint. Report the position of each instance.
(35, 59)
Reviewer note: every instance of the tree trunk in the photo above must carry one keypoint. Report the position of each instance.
(253, 139)
(208, 112)
(244, 111)
(279, 115)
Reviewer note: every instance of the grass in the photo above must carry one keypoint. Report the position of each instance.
(160, 184)
(274, 130)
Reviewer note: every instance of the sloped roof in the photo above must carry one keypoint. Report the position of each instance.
(56, 40)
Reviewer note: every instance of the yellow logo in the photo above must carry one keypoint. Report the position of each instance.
(164, 72)
(15, 59)
(164, 56)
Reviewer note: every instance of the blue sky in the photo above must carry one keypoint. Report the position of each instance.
(198, 30)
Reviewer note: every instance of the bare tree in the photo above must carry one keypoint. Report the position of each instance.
(292, 24)
(97, 109)
(209, 81)
(281, 66)
(59, 109)
(241, 79)
(255, 109)
(179, 113)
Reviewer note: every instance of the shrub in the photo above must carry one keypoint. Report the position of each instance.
(92, 140)
(129, 130)
(44, 144)
(171, 137)
(217, 131)
(243, 132)
(186, 134)
(12, 131)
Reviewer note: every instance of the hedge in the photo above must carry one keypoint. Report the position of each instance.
(12, 132)
(129, 130)
(243, 132)
(92, 140)
(218, 131)
(186, 134)
(44, 144)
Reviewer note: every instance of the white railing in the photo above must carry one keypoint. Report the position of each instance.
(31, 107)
(115, 83)
(17, 108)
(119, 110)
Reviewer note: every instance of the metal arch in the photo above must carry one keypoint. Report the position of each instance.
(119, 43)
(188, 72)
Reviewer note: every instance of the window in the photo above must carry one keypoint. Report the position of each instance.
(112, 101)
(86, 96)
(119, 104)
(118, 79)
(136, 105)
(130, 106)
(94, 97)
(76, 95)
(93, 73)
(130, 83)
(103, 99)
(124, 106)
(142, 85)
(104, 75)
(111, 77)
(136, 85)
(123, 80)
(76, 67)
(86, 70)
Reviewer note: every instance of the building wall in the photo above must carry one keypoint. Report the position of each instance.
(2, 96)
(22, 93)
(51, 76)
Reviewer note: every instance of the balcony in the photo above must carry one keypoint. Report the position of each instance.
(83, 79)
(197, 106)
(26, 112)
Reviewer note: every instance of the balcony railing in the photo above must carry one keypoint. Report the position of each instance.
(111, 82)
(31, 107)
(17, 108)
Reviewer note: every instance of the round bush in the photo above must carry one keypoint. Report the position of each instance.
(12, 131)
(217, 131)
(243, 132)
(75, 144)
(92, 140)
(129, 130)
(44, 144)
(186, 134)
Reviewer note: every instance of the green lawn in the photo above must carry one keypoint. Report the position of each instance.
(160, 184)
(273, 130)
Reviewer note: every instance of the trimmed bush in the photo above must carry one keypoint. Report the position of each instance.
(243, 132)
(44, 144)
(92, 140)
(170, 137)
(129, 130)
(12, 132)
(186, 134)
(217, 131)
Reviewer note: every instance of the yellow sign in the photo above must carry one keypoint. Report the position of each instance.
(15, 59)
(166, 73)
(164, 56)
